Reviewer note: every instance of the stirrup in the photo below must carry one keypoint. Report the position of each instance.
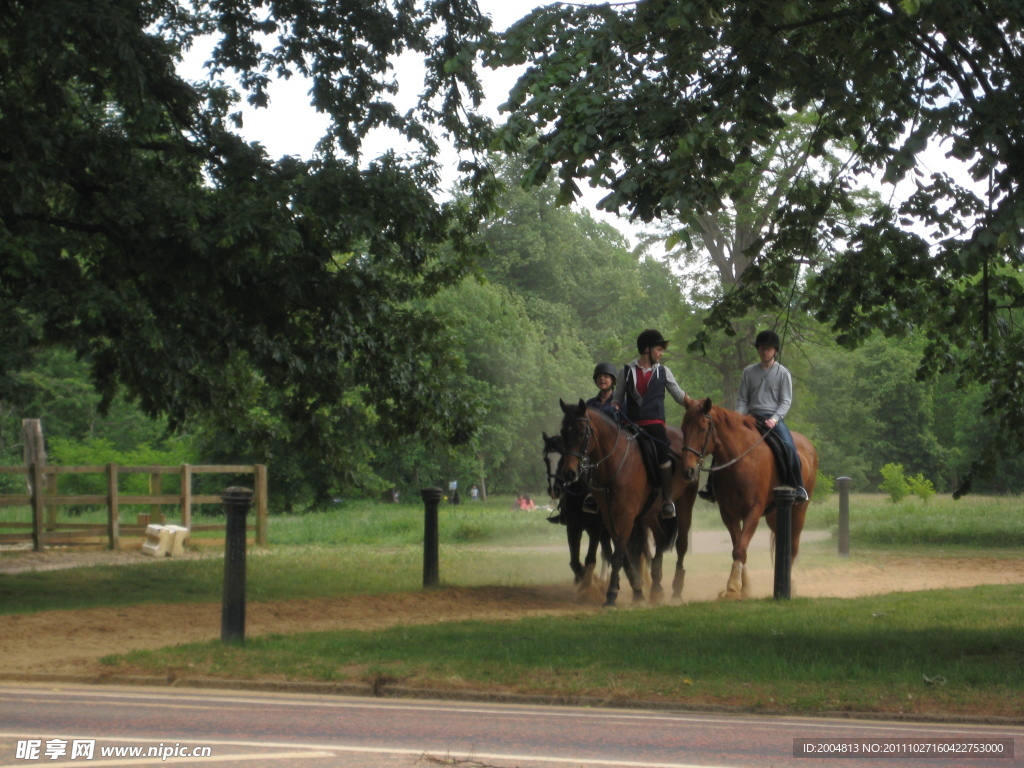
(555, 519)
(707, 494)
(668, 510)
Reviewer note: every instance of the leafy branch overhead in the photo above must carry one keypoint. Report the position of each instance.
(659, 103)
(138, 229)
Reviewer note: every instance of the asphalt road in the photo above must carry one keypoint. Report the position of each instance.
(59, 724)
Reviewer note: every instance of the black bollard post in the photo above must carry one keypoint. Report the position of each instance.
(236, 502)
(843, 484)
(431, 500)
(784, 498)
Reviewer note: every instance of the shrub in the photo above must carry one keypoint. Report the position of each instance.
(921, 487)
(824, 486)
(894, 483)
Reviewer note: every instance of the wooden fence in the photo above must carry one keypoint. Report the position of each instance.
(43, 498)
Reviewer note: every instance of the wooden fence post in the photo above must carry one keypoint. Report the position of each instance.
(186, 496)
(34, 452)
(113, 508)
(155, 486)
(36, 490)
(260, 470)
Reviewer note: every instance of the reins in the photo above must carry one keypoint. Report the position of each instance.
(640, 430)
(587, 466)
(702, 454)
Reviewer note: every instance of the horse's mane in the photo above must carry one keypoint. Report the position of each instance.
(601, 414)
(728, 419)
(735, 420)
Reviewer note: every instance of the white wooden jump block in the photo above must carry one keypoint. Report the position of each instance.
(179, 534)
(164, 540)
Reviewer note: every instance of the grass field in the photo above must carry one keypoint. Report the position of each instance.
(978, 521)
(952, 652)
(946, 651)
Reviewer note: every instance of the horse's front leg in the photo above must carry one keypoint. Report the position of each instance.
(684, 510)
(636, 558)
(613, 582)
(634, 572)
(682, 546)
(594, 539)
(657, 593)
(737, 586)
(574, 534)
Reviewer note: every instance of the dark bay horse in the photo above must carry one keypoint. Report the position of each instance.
(577, 521)
(607, 458)
(743, 476)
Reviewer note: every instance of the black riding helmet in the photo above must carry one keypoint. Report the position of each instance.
(606, 368)
(650, 338)
(768, 339)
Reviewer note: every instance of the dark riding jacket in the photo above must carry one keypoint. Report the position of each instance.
(650, 407)
(607, 408)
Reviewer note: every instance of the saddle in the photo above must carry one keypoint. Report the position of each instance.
(781, 453)
(648, 452)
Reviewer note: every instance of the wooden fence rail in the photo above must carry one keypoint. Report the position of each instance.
(44, 498)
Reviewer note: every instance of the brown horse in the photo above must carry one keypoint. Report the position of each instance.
(743, 476)
(607, 458)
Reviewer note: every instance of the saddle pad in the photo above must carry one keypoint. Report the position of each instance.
(650, 456)
(780, 452)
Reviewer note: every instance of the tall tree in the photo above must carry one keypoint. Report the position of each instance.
(138, 230)
(659, 102)
(714, 249)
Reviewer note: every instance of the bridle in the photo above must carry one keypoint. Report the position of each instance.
(587, 466)
(554, 483)
(703, 452)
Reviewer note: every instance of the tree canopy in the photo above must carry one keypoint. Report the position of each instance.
(184, 265)
(660, 102)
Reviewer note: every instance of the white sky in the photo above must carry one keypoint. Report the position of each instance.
(290, 126)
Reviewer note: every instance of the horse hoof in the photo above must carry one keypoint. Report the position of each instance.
(730, 594)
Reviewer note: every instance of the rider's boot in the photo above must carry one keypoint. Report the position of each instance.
(668, 509)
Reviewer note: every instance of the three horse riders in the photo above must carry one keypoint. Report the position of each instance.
(641, 390)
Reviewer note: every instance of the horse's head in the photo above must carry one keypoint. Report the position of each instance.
(577, 439)
(698, 436)
(553, 445)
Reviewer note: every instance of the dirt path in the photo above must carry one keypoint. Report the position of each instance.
(72, 642)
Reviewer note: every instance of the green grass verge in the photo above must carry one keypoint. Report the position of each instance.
(280, 573)
(979, 521)
(364, 548)
(973, 521)
(950, 651)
